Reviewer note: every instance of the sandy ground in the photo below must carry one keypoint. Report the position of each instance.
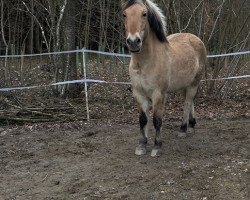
(96, 160)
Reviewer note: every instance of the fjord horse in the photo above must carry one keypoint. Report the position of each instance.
(160, 64)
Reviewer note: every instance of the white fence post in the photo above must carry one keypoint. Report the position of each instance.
(85, 83)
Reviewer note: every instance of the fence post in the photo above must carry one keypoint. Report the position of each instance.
(85, 83)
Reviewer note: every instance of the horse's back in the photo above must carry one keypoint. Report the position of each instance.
(187, 43)
(188, 59)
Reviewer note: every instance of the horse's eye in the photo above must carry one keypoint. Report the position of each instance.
(144, 14)
(124, 15)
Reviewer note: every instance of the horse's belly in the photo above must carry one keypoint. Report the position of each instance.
(183, 73)
(178, 84)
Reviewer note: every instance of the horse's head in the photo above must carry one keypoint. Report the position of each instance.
(136, 23)
(139, 17)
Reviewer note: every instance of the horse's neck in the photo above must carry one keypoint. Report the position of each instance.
(151, 48)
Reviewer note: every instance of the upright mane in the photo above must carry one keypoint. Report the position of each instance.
(156, 20)
(156, 17)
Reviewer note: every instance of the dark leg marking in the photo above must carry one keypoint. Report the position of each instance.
(184, 128)
(143, 141)
(192, 122)
(156, 151)
(157, 121)
(141, 148)
(143, 120)
(158, 143)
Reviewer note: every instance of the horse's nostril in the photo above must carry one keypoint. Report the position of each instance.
(129, 41)
(138, 41)
(135, 42)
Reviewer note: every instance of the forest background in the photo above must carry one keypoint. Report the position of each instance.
(36, 26)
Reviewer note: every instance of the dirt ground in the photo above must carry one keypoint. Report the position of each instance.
(96, 160)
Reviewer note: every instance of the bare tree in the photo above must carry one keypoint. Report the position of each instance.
(56, 25)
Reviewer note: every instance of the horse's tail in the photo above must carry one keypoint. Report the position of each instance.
(201, 50)
(206, 64)
(203, 61)
(206, 67)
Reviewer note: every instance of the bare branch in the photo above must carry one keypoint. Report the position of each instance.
(218, 16)
(2, 25)
(192, 15)
(40, 25)
(59, 23)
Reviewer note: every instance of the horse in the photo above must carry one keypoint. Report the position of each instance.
(158, 65)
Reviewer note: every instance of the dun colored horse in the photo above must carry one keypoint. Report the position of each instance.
(160, 64)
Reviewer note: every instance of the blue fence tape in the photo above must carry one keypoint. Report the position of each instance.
(42, 54)
(110, 54)
(229, 54)
(52, 84)
(99, 81)
(228, 78)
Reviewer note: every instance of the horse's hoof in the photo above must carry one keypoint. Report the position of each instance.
(139, 151)
(156, 152)
(182, 135)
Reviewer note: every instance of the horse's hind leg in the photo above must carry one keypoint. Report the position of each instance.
(188, 118)
(192, 119)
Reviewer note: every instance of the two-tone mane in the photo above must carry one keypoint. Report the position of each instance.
(156, 17)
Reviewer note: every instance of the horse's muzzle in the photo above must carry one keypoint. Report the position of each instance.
(134, 45)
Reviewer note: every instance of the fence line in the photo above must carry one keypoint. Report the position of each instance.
(229, 54)
(109, 54)
(102, 81)
(228, 78)
(86, 81)
(41, 54)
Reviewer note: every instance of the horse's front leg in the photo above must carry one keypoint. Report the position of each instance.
(158, 110)
(144, 107)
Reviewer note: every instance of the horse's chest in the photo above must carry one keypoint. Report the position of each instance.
(143, 84)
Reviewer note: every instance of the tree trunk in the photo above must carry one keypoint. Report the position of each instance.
(31, 33)
(69, 35)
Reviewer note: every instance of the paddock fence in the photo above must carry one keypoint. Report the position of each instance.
(23, 76)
